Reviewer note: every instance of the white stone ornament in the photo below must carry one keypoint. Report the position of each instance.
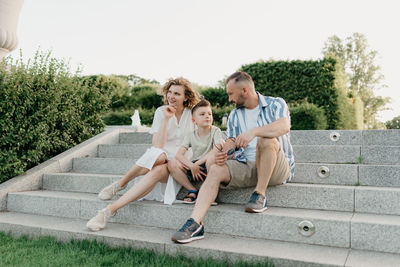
(9, 14)
(136, 120)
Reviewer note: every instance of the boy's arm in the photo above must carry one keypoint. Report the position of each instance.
(204, 158)
(217, 140)
(180, 155)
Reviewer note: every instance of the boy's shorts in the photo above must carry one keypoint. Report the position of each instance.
(189, 172)
(245, 174)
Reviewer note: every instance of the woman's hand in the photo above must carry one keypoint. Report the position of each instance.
(170, 111)
(197, 172)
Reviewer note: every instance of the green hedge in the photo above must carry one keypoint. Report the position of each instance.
(394, 123)
(124, 117)
(306, 116)
(44, 110)
(320, 82)
(216, 96)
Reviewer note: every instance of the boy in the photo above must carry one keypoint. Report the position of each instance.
(201, 140)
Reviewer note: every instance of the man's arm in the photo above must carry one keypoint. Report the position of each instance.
(275, 129)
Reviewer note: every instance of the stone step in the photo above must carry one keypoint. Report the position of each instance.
(315, 137)
(326, 137)
(307, 196)
(381, 137)
(102, 165)
(322, 173)
(331, 228)
(216, 246)
(135, 138)
(326, 154)
(385, 155)
(379, 175)
(379, 200)
(315, 173)
(133, 151)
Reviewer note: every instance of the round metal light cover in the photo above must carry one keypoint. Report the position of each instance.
(306, 228)
(335, 136)
(323, 172)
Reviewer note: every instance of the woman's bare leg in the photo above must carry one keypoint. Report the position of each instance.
(157, 174)
(136, 171)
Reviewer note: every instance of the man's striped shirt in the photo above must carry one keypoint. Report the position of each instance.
(271, 109)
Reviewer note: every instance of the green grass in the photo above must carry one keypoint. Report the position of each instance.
(46, 251)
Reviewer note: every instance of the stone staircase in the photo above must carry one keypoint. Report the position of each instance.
(342, 208)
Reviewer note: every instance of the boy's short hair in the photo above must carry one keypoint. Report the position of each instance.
(202, 103)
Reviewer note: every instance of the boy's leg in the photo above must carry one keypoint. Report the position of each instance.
(177, 171)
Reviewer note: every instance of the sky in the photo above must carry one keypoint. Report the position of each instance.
(205, 40)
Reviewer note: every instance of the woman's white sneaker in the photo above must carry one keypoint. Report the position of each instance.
(110, 191)
(99, 221)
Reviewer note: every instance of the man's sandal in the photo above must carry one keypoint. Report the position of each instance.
(192, 195)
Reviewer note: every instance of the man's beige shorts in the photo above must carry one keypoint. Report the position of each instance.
(245, 174)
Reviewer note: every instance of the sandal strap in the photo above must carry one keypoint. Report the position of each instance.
(190, 196)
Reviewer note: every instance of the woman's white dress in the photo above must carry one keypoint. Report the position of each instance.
(175, 134)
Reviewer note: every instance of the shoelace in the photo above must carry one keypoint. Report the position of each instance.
(254, 197)
(186, 225)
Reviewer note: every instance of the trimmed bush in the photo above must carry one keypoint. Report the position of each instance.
(306, 116)
(218, 113)
(216, 96)
(394, 123)
(44, 110)
(149, 99)
(124, 117)
(320, 82)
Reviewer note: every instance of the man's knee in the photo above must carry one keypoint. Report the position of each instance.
(264, 143)
(217, 173)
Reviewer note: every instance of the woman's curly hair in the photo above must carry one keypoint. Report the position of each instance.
(192, 96)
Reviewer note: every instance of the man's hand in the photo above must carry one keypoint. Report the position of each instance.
(245, 138)
(170, 111)
(221, 158)
(197, 172)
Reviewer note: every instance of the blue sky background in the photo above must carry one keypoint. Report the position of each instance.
(208, 39)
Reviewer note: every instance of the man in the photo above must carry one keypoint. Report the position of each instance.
(259, 127)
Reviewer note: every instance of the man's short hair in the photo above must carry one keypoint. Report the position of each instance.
(202, 103)
(240, 76)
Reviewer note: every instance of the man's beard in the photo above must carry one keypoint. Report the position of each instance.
(240, 102)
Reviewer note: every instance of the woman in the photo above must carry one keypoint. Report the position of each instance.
(170, 124)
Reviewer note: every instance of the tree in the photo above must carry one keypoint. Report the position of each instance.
(363, 74)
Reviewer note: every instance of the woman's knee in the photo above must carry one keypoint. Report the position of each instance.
(268, 143)
(172, 164)
(159, 172)
(161, 159)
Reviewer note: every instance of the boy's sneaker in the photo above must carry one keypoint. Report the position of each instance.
(257, 203)
(189, 232)
(99, 221)
(110, 191)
